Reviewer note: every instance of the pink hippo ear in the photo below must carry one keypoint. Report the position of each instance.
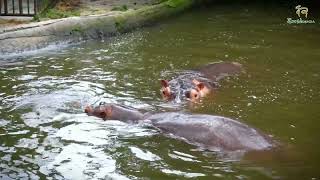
(200, 86)
(195, 82)
(164, 83)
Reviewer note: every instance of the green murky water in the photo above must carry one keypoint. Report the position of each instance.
(43, 132)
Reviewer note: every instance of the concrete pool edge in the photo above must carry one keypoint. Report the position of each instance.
(40, 34)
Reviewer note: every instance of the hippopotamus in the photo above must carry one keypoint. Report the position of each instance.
(210, 132)
(197, 83)
(114, 112)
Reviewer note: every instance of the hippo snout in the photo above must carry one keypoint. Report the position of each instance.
(88, 109)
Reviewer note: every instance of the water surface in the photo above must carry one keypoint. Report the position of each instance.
(44, 132)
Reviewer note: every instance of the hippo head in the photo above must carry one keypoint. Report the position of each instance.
(110, 111)
(166, 91)
(101, 111)
(192, 90)
(200, 90)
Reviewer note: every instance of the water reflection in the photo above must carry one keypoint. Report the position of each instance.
(76, 161)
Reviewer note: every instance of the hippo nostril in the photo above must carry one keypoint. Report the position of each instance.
(187, 94)
(103, 114)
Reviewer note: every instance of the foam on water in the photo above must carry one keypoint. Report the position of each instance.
(52, 48)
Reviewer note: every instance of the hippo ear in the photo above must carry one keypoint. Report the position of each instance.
(200, 86)
(195, 82)
(164, 83)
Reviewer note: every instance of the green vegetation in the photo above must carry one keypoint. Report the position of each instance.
(36, 18)
(55, 9)
(175, 3)
(161, 1)
(56, 14)
(119, 24)
(69, 8)
(120, 8)
(77, 30)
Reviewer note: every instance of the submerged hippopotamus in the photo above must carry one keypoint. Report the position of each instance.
(199, 82)
(210, 132)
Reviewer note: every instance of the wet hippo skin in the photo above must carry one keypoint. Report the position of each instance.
(217, 71)
(114, 112)
(199, 82)
(210, 132)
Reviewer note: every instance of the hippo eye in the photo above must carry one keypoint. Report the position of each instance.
(164, 93)
(196, 95)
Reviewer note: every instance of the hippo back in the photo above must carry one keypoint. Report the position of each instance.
(125, 114)
(211, 132)
(219, 70)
